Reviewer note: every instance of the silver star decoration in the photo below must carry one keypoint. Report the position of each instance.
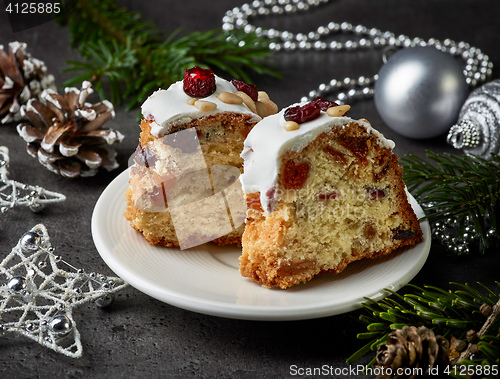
(13, 193)
(37, 296)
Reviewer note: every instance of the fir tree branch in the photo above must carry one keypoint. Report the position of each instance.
(463, 187)
(445, 312)
(126, 58)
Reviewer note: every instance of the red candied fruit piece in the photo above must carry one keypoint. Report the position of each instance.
(295, 174)
(336, 155)
(253, 202)
(332, 195)
(199, 82)
(324, 104)
(302, 113)
(358, 146)
(375, 193)
(250, 89)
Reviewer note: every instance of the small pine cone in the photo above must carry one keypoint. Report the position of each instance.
(66, 133)
(22, 77)
(410, 352)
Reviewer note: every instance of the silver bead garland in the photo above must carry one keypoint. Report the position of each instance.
(446, 232)
(477, 66)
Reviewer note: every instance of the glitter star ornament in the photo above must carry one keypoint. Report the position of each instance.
(13, 193)
(37, 296)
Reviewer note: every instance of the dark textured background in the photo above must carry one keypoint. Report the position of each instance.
(140, 336)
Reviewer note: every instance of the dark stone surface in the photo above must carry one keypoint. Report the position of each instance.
(142, 337)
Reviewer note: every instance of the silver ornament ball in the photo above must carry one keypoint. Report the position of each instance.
(17, 284)
(419, 92)
(60, 325)
(29, 242)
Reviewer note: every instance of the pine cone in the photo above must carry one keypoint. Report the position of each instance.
(66, 133)
(415, 352)
(22, 77)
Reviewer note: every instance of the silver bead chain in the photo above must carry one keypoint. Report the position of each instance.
(477, 66)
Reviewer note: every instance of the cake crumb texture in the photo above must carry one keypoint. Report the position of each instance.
(341, 199)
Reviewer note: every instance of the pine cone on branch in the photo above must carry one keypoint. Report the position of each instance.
(411, 352)
(22, 77)
(66, 133)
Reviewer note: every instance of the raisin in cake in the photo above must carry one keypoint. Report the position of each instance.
(189, 133)
(322, 190)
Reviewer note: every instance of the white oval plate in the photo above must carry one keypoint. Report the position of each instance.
(206, 278)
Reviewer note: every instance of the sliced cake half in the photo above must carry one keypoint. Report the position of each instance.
(188, 159)
(322, 190)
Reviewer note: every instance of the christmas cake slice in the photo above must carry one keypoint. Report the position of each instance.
(322, 190)
(183, 184)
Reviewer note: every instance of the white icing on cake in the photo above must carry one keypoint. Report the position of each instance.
(168, 108)
(269, 140)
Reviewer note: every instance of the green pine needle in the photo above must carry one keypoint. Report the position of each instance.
(445, 312)
(127, 58)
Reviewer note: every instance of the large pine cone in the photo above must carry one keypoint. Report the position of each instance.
(410, 352)
(22, 77)
(66, 134)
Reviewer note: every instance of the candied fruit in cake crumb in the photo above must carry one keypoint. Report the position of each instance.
(376, 193)
(336, 155)
(199, 82)
(358, 146)
(331, 195)
(254, 203)
(300, 267)
(295, 175)
(302, 113)
(369, 230)
(401, 234)
(250, 89)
